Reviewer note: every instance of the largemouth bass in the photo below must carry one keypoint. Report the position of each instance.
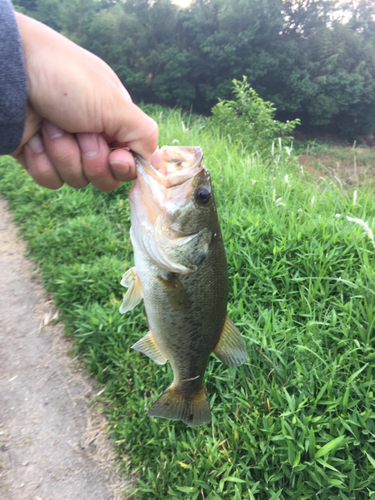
(181, 274)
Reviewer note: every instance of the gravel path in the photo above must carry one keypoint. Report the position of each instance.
(52, 447)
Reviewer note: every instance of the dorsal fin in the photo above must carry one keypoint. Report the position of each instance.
(231, 348)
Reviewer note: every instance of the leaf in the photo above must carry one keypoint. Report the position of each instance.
(291, 401)
(371, 460)
(276, 495)
(355, 374)
(335, 443)
(352, 478)
(299, 367)
(345, 398)
(185, 466)
(312, 444)
(291, 452)
(321, 392)
(233, 479)
(326, 464)
(297, 459)
(186, 489)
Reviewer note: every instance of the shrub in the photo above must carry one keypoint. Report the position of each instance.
(249, 120)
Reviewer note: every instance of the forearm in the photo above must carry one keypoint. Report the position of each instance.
(13, 86)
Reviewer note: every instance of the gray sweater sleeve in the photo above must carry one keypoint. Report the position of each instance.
(13, 86)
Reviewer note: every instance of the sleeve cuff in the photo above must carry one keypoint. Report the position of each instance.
(13, 84)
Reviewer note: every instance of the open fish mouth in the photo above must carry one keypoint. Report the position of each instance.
(160, 200)
(170, 187)
(179, 164)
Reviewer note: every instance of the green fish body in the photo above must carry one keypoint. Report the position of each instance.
(181, 274)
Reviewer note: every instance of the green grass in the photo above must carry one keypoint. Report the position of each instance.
(295, 422)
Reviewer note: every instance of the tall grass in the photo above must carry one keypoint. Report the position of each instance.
(297, 420)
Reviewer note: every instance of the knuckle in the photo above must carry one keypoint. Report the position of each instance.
(55, 185)
(95, 172)
(48, 181)
(153, 130)
(64, 158)
(21, 160)
(42, 170)
(77, 184)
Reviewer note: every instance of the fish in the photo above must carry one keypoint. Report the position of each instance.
(181, 274)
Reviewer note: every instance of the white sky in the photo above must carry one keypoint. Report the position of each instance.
(186, 3)
(181, 3)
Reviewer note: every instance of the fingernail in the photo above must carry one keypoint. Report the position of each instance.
(89, 144)
(36, 144)
(53, 132)
(116, 163)
(156, 158)
(121, 170)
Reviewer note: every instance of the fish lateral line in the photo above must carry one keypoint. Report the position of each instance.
(190, 379)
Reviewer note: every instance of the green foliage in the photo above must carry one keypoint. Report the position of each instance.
(315, 59)
(249, 119)
(330, 75)
(295, 422)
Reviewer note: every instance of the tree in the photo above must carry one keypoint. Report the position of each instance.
(315, 59)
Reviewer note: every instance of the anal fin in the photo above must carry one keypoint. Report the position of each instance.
(231, 348)
(193, 409)
(148, 346)
(134, 294)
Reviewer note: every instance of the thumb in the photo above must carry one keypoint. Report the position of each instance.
(131, 127)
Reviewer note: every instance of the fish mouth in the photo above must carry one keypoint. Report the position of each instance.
(179, 164)
(156, 197)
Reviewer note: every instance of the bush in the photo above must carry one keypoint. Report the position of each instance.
(249, 119)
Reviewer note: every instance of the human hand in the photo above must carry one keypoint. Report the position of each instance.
(77, 111)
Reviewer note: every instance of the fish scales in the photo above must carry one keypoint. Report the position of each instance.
(179, 334)
(181, 274)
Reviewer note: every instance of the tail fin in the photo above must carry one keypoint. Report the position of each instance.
(193, 409)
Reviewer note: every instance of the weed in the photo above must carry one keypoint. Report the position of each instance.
(297, 421)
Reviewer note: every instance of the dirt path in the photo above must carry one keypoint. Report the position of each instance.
(51, 446)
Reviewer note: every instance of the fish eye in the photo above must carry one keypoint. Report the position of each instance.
(203, 196)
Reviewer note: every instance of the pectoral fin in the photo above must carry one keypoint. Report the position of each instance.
(148, 346)
(134, 294)
(231, 348)
(175, 292)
